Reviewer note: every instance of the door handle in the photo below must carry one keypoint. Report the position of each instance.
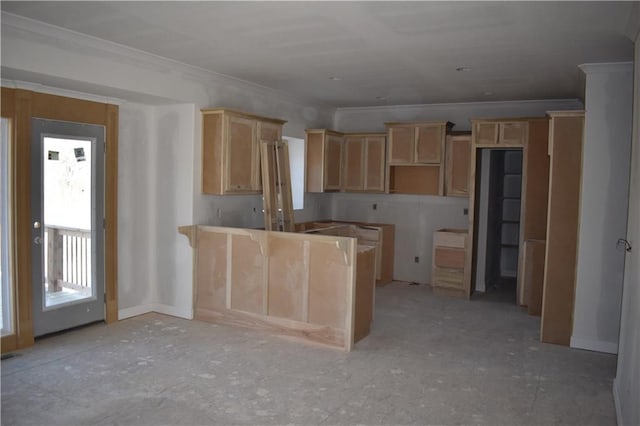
(37, 240)
(623, 244)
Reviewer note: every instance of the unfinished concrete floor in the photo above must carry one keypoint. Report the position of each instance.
(428, 360)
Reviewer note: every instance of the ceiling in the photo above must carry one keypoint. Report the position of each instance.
(377, 53)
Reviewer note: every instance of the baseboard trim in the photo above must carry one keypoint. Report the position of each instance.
(616, 401)
(172, 310)
(594, 345)
(134, 311)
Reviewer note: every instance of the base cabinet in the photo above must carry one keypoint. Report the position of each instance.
(449, 254)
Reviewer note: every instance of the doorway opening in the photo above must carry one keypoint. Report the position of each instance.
(68, 211)
(498, 224)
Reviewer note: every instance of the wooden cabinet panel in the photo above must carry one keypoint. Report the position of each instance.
(458, 155)
(424, 180)
(503, 132)
(374, 163)
(485, 133)
(267, 132)
(514, 133)
(415, 157)
(449, 257)
(429, 140)
(354, 150)
(311, 288)
(449, 261)
(565, 145)
(333, 163)
(230, 154)
(401, 148)
(380, 235)
(324, 160)
(212, 153)
(314, 167)
(241, 155)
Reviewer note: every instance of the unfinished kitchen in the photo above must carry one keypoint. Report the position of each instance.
(363, 212)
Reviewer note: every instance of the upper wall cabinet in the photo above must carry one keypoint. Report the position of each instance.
(416, 143)
(415, 155)
(324, 159)
(230, 154)
(458, 152)
(364, 162)
(508, 132)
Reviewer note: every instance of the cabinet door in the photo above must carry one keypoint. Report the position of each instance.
(267, 132)
(240, 159)
(514, 133)
(353, 163)
(401, 145)
(374, 163)
(212, 153)
(333, 163)
(485, 133)
(429, 139)
(457, 166)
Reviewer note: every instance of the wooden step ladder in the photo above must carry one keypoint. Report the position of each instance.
(276, 186)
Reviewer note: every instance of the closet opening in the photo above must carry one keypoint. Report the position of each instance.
(498, 202)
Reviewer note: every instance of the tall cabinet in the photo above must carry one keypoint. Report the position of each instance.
(566, 131)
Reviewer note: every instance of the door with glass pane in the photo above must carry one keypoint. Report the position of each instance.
(67, 214)
(6, 296)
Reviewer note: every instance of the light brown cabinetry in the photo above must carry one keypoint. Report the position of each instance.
(416, 143)
(509, 132)
(458, 153)
(566, 130)
(380, 235)
(354, 163)
(351, 162)
(230, 154)
(324, 158)
(415, 155)
(449, 255)
(364, 162)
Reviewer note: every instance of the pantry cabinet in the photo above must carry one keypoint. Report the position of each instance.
(230, 150)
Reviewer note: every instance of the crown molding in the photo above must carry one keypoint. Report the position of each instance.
(606, 67)
(66, 39)
(571, 101)
(41, 88)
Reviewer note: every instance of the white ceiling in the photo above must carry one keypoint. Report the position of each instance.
(404, 52)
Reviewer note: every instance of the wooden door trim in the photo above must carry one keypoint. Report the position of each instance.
(21, 106)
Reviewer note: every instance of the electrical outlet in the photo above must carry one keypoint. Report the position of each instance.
(416, 259)
(375, 206)
(465, 211)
